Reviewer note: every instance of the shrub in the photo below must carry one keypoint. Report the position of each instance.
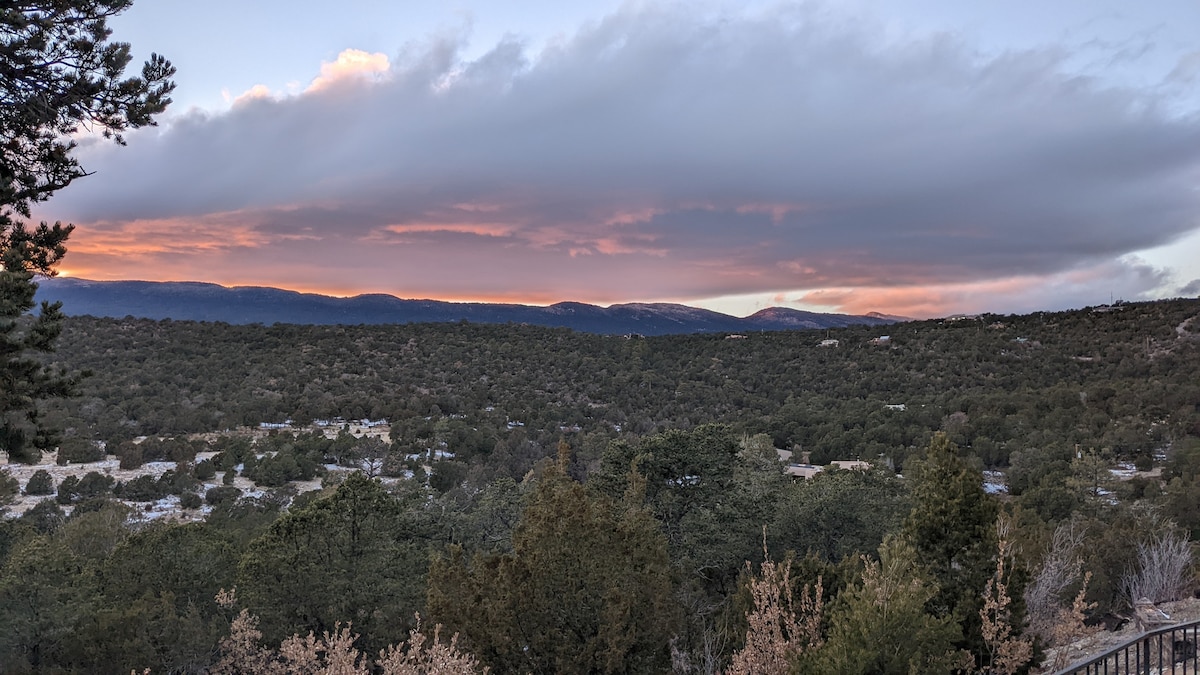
(40, 483)
(190, 500)
(79, 450)
(94, 484)
(8, 487)
(1163, 571)
(45, 517)
(204, 470)
(222, 495)
(67, 490)
(174, 482)
(141, 489)
(131, 455)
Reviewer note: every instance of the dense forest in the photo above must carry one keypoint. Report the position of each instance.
(568, 502)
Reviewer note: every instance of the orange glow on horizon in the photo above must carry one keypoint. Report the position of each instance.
(534, 299)
(920, 302)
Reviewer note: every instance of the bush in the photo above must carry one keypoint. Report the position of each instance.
(93, 504)
(9, 487)
(131, 455)
(204, 470)
(178, 482)
(141, 489)
(45, 517)
(40, 483)
(190, 500)
(79, 450)
(1163, 570)
(94, 484)
(222, 495)
(67, 490)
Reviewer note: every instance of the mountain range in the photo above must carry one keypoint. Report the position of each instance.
(196, 301)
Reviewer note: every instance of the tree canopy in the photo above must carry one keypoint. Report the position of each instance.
(60, 75)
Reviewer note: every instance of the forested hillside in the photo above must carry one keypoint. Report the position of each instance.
(1121, 380)
(578, 503)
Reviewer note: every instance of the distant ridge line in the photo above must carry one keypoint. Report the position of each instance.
(201, 301)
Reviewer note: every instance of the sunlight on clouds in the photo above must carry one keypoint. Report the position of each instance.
(210, 235)
(257, 92)
(1129, 278)
(478, 229)
(654, 154)
(351, 64)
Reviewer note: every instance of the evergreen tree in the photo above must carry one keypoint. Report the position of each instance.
(951, 529)
(59, 74)
(586, 588)
(357, 555)
(880, 626)
(42, 596)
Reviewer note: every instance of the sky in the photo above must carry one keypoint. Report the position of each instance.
(913, 157)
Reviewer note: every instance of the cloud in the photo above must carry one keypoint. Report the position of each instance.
(1126, 279)
(1191, 288)
(663, 153)
(351, 64)
(258, 91)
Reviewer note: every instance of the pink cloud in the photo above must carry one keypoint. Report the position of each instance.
(350, 65)
(1128, 278)
(655, 155)
(479, 229)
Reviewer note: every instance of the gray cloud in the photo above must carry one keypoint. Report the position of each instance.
(690, 154)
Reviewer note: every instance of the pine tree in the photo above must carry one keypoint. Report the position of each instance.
(59, 75)
(951, 529)
(586, 588)
(358, 555)
(881, 625)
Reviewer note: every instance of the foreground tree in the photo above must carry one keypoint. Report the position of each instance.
(951, 529)
(358, 555)
(779, 629)
(881, 626)
(59, 76)
(586, 588)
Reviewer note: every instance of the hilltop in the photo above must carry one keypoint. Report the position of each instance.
(194, 301)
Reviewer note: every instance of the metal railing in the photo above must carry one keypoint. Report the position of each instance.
(1171, 649)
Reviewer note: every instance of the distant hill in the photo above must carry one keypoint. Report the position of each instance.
(197, 301)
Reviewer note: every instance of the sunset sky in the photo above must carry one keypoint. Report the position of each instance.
(912, 157)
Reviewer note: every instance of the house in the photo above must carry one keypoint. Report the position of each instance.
(882, 340)
(803, 469)
(851, 464)
(828, 343)
(895, 406)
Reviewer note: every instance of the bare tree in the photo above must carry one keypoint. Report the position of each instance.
(1007, 650)
(1163, 569)
(779, 628)
(1060, 569)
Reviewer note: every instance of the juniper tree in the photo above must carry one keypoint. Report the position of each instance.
(60, 76)
(585, 589)
(951, 528)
